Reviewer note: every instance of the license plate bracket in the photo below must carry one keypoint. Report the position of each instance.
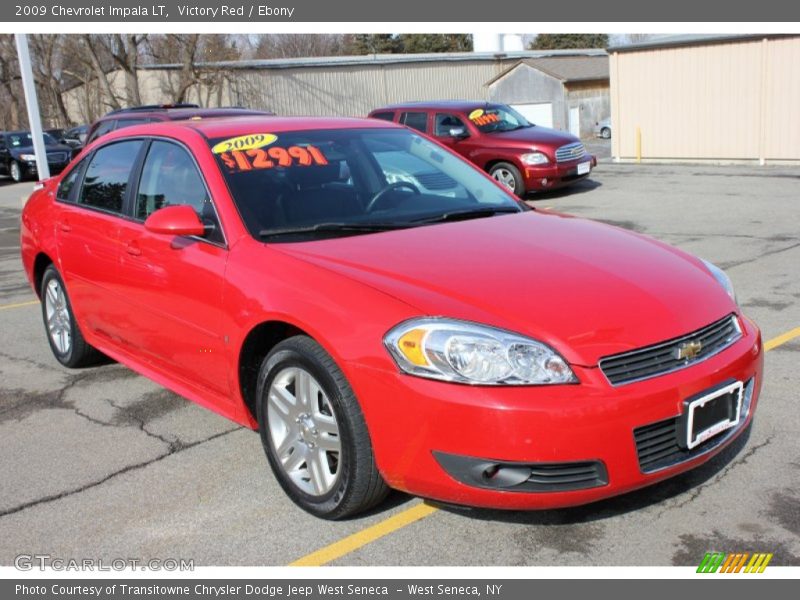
(584, 168)
(710, 413)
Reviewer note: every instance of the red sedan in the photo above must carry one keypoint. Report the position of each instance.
(387, 315)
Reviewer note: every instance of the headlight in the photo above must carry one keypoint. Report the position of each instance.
(466, 352)
(534, 158)
(722, 278)
(27, 157)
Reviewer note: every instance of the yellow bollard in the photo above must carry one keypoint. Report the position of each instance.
(638, 145)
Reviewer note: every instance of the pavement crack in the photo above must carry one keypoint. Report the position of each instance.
(174, 445)
(730, 265)
(27, 361)
(128, 469)
(698, 490)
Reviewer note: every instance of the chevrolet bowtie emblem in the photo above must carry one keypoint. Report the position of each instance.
(688, 350)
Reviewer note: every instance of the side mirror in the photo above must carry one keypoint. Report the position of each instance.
(175, 220)
(458, 132)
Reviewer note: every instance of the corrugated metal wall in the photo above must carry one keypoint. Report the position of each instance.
(727, 101)
(355, 90)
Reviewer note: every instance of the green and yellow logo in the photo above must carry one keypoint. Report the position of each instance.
(720, 562)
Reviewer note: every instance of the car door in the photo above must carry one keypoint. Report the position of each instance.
(173, 285)
(91, 202)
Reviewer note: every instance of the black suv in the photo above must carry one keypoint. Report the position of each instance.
(18, 160)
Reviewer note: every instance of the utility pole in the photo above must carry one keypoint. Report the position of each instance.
(32, 104)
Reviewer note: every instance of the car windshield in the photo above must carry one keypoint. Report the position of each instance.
(302, 185)
(495, 118)
(24, 139)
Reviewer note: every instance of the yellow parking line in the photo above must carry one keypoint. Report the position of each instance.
(365, 536)
(19, 304)
(420, 511)
(782, 339)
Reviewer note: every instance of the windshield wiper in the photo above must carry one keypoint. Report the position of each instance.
(333, 228)
(472, 213)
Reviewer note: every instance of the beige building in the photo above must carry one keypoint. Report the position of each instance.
(707, 98)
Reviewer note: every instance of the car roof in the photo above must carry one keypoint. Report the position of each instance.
(457, 105)
(179, 114)
(233, 126)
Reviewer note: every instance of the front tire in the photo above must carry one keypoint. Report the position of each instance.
(63, 334)
(313, 432)
(509, 176)
(15, 171)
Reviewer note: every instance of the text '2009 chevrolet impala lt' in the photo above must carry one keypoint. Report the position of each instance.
(387, 315)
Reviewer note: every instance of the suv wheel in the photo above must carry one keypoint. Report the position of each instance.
(509, 176)
(15, 171)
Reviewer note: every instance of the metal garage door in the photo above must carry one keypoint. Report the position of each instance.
(539, 114)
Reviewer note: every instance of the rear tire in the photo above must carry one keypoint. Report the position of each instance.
(509, 176)
(314, 433)
(605, 133)
(63, 334)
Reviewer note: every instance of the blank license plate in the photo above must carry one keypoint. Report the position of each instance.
(712, 413)
(584, 168)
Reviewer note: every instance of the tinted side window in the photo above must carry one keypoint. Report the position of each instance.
(121, 123)
(68, 183)
(445, 122)
(102, 129)
(107, 176)
(415, 120)
(170, 178)
(384, 116)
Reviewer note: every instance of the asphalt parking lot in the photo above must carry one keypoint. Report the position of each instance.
(103, 463)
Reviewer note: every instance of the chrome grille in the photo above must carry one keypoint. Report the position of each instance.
(666, 357)
(570, 152)
(56, 157)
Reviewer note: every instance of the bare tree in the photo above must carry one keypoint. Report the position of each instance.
(47, 66)
(126, 51)
(94, 50)
(295, 45)
(10, 85)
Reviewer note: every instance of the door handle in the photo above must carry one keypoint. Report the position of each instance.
(133, 249)
(65, 227)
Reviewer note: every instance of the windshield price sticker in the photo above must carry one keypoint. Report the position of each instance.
(245, 142)
(267, 158)
(481, 117)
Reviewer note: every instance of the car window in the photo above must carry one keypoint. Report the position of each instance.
(24, 139)
(106, 179)
(122, 123)
(493, 118)
(103, 128)
(68, 183)
(170, 178)
(357, 177)
(445, 122)
(415, 120)
(384, 116)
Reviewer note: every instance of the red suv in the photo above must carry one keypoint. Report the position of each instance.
(522, 156)
(140, 115)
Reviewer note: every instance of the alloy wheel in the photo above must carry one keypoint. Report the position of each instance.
(59, 321)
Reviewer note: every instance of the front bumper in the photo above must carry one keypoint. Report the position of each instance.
(414, 422)
(554, 176)
(55, 167)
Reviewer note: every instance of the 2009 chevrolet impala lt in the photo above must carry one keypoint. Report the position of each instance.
(387, 315)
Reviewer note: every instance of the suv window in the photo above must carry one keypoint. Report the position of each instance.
(107, 175)
(68, 183)
(415, 120)
(131, 122)
(444, 123)
(384, 116)
(102, 128)
(170, 178)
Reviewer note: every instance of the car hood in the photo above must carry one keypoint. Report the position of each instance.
(535, 136)
(585, 288)
(49, 149)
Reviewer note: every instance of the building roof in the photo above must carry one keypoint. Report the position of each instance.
(692, 39)
(385, 59)
(566, 68)
(454, 105)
